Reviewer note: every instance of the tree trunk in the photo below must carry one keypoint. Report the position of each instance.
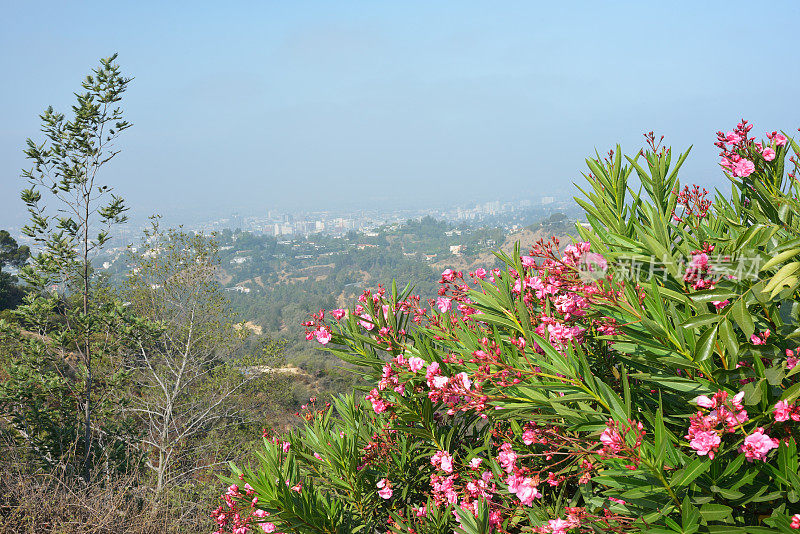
(87, 348)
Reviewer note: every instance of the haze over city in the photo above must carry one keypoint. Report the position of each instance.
(244, 107)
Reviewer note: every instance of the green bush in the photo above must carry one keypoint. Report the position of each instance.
(644, 379)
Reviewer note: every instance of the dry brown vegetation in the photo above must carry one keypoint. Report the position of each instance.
(48, 503)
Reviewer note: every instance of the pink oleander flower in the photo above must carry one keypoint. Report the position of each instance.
(448, 275)
(594, 262)
(421, 511)
(367, 321)
(706, 443)
(443, 461)
(528, 261)
(780, 139)
(756, 339)
(286, 446)
(559, 526)
(768, 154)
(268, 528)
(612, 440)
(719, 304)
(475, 463)
(782, 411)
(704, 401)
(462, 379)
(743, 168)
(447, 463)
(507, 457)
(791, 358)
(378, 404)
(528, 437)
(384, 488)
(795, 521)
(527, 491)
(443, 303)
(438, 382)
(726, 163)
(323, 336)
(757, 445)
(415, 363)
(700, 261)
(480, 272)
(338, 313)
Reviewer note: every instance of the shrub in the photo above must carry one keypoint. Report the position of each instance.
(643, 379)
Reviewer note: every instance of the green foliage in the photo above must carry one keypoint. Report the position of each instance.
(16, 256)
(45, 378)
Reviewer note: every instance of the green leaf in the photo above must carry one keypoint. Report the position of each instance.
(705, 345)
(701, 320)
(742, 317)
(780, 258)
(715, 512)
(728, 337)
(696, 467)
(791, 393)
(782, 276)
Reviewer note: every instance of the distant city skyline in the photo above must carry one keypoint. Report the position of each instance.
(291, 225)
(310, 105)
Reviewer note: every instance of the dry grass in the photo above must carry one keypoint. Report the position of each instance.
(53, 504)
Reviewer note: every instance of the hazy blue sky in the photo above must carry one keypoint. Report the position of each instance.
(242, 105)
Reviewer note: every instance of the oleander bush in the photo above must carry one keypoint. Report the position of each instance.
(643, 378)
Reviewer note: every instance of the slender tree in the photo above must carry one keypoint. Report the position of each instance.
(65, 173)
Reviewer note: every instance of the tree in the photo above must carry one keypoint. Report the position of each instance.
(66, 171)
(16, 256)
(11, 253)
(185, 375)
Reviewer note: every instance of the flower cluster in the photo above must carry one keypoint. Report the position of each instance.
(694, 203)
(232, 519)
(699, 271)
(615, 441)
(724, 415)
(784, 411)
